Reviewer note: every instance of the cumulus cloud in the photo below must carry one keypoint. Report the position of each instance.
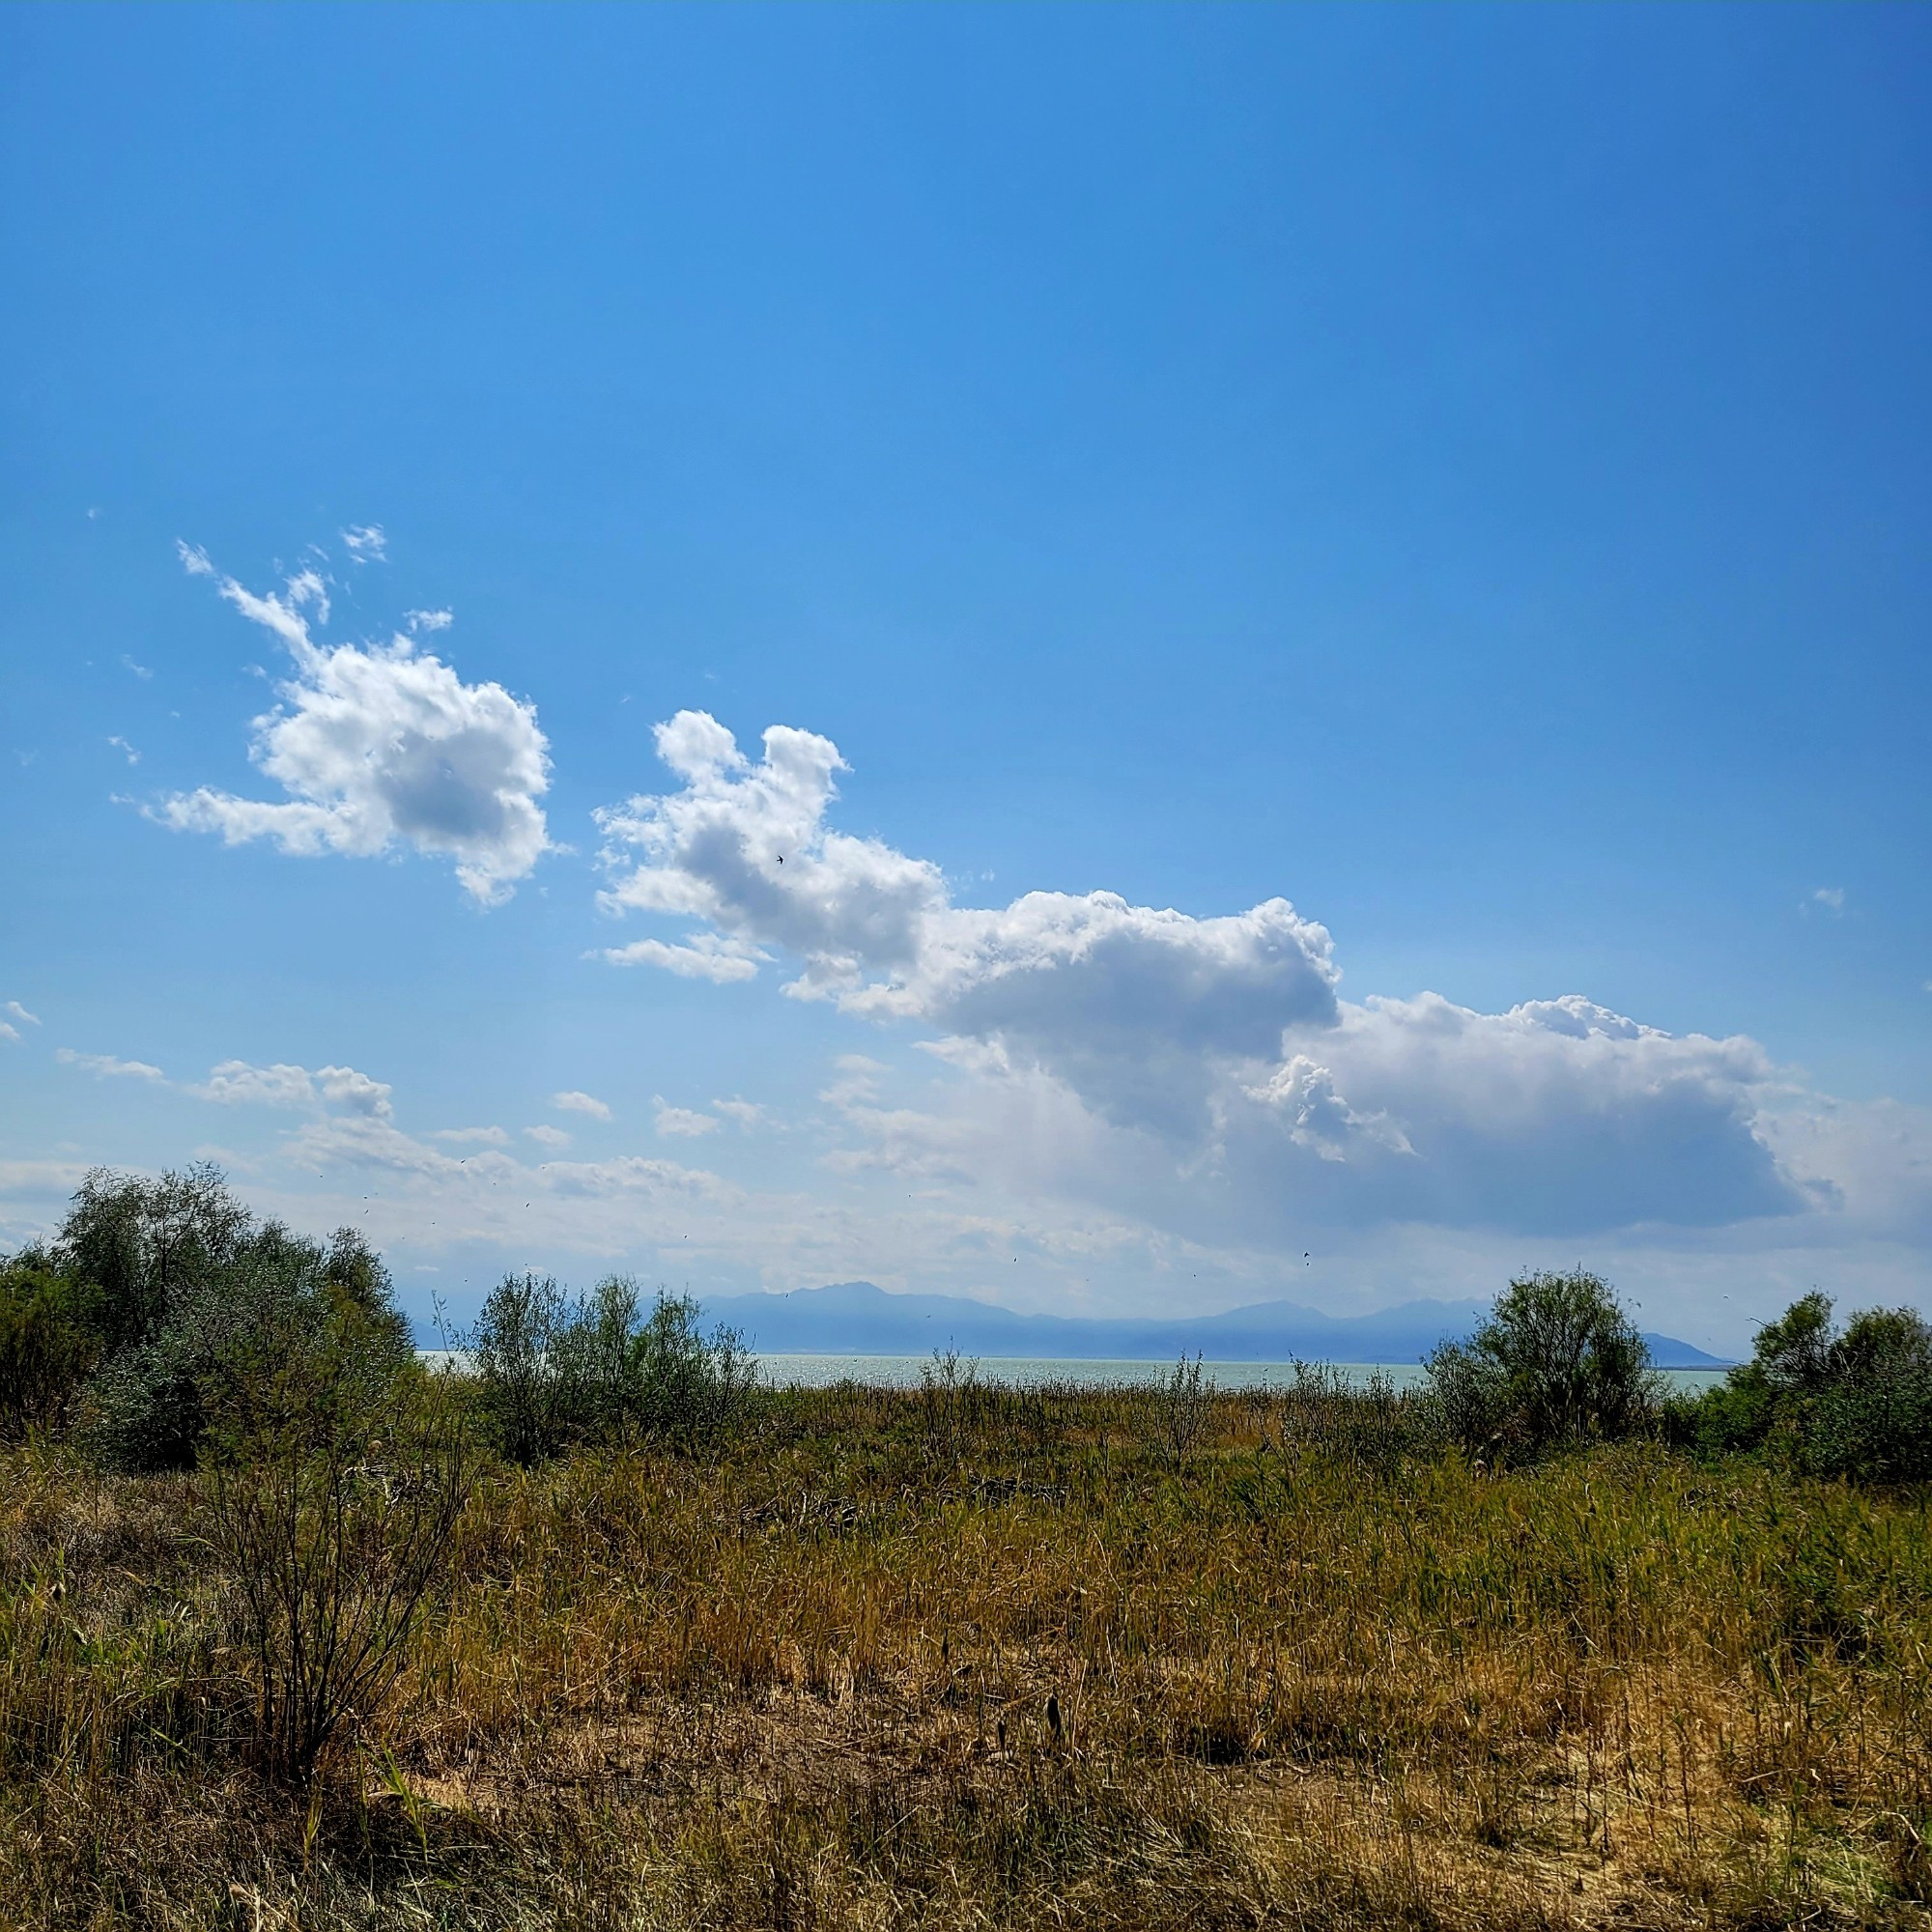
(472, 1136)
(575, 1101)
(1203, 1066)
(105, 1065)
(547, 1136)
(380, 744)
(1555, 1116)
(238, 1083)
(747, 1113)
(1131, 1004)
(681, 1120)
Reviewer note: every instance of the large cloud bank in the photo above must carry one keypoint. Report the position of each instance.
(1130, 1005)
(377, 745)
(1211, 1055)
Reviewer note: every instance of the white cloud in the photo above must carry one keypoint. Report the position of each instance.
(105, 1065)
(379, 745)
(1191, 1072)
(546, 1136)
(1553, 1116)
(140, 670)
(429, 620)
(472, 1136)
(366, 543)
(577, 1102)
(682, 1121)
(236, 1083)
(344, 1087)
(126, 749)
(1130, 1004)
(747, 1113)
(1831, 897)
(705, 957)
(193, 558)
(16, 1010)
(8, 1032)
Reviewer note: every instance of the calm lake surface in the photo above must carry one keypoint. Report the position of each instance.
(904, 1371)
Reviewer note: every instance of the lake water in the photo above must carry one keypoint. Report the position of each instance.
(904, 1372)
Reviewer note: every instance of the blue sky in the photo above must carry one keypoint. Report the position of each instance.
(1462, 474)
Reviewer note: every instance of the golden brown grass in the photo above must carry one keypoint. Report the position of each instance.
(971, 1659)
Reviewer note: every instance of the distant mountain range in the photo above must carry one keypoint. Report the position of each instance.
(854, 1318)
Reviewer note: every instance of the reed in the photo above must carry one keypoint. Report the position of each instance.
(1310, 1668)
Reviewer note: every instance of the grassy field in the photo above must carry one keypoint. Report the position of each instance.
(969, 1657)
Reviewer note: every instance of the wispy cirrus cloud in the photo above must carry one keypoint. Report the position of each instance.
(366, 543)
(105, 1066)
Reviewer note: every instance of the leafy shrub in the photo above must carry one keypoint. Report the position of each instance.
(144, 1244)
(49, 1342)
(1558, 1362)
(684, 1385)
(553, 1372)
(1854, 1404)
(336, 1474)
(180, 1279)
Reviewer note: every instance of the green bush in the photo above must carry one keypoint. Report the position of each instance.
(553, 1372)
(181, 1282)
(1558, 1362)
(143, 1245)
(1856, 1404)
(49, 1342)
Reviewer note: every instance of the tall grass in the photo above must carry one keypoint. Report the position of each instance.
(1306, 1668)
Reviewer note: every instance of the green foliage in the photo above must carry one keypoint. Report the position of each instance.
(1856, 1404)
(49, 1342)
(553, 1372)
(184, 1291)
(1556, 1363)
(144, 1245)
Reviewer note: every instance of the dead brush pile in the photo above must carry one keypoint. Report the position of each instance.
(1009, 1658)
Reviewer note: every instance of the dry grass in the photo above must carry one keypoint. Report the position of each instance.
(972, 1659)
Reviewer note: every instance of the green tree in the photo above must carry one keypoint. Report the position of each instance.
(1556, 1362)
(1856, 1402)
(177, 1275)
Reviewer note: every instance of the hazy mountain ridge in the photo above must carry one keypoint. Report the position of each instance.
(856, 1318)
